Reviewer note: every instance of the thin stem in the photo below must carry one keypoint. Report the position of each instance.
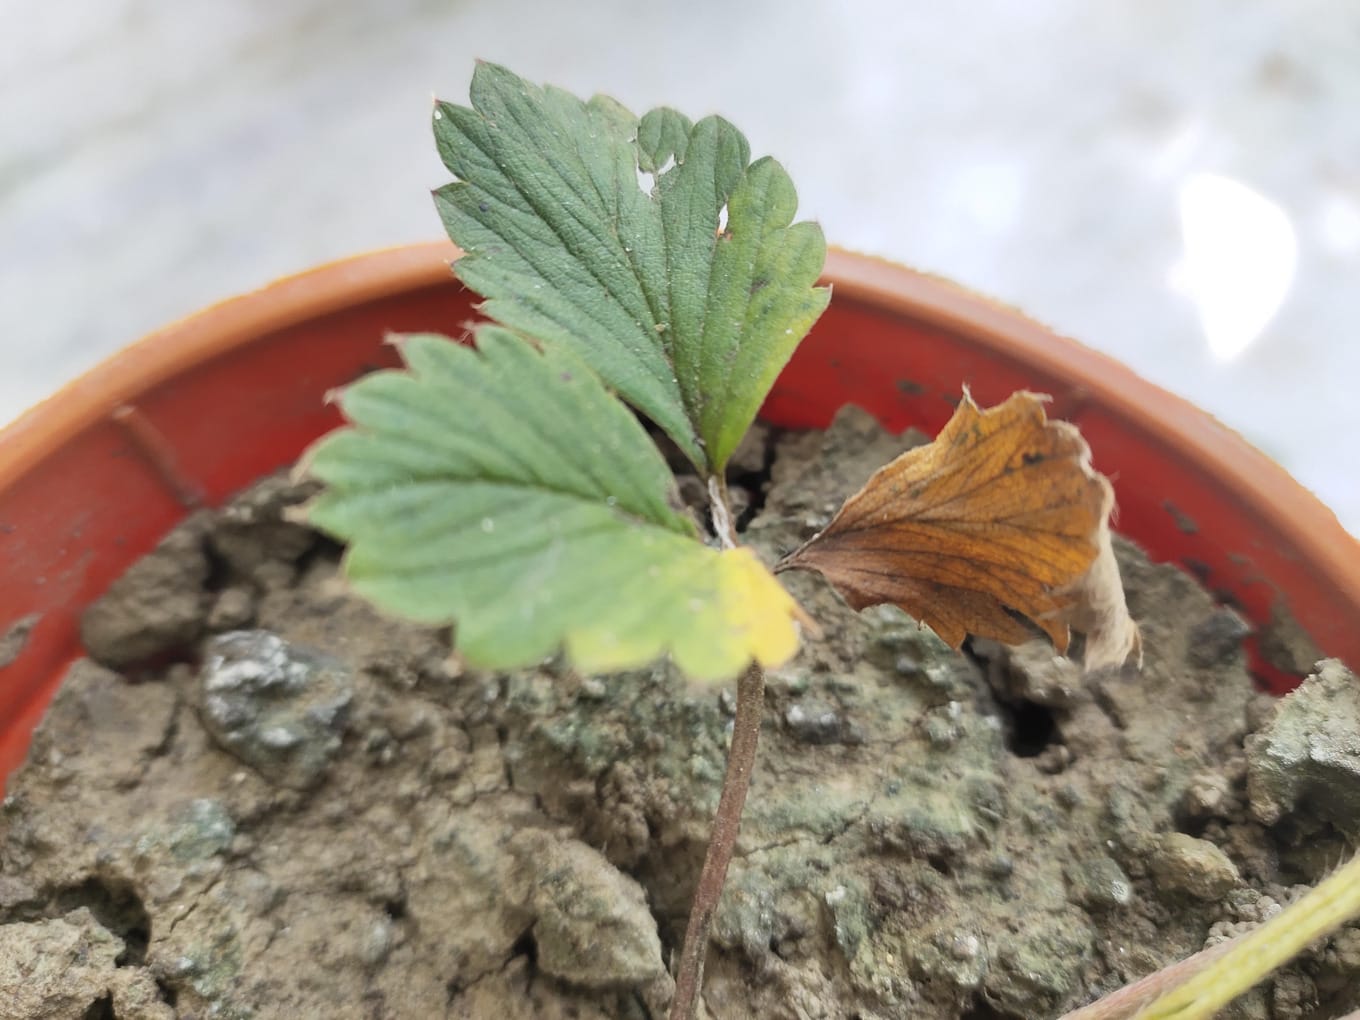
(723, 525)
(741, 759)
(1198, 987)
(1128, 1000)
(1253, 957)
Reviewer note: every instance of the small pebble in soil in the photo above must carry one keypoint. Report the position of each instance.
(377, 942)
(253, 536)
(1208, 795)
(157, 606)
(814, 722)
(1039, 674)
(204, 829)
(280, 708)
(1217, 638)
(1286, 645)
(1101, 883)
(942, 726)
(13, 640)
(593, 689)
(66, 967)
(1184, 864)
(593, 927)
(234, 609)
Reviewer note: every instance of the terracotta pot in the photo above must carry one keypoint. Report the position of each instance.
(92, 478)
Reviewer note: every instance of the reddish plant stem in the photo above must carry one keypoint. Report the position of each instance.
(1131, 998)
(741, 759)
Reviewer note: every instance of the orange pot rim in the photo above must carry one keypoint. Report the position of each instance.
(208, 333)
(1255, 479)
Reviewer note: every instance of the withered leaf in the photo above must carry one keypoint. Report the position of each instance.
(1001, 517)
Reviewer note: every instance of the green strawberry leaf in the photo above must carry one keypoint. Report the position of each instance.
(507, 491)
(688, 317)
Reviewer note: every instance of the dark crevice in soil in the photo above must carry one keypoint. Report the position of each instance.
(168, 994)
(101, 1009)
(757, 483)
(454, 988)
(171, 732)
(983, 1011)
(116, 906)
(1031, 728)
(639, 1006)
(507, 765)
(150, 669)
(1340, 1004)
(748, 478)
(940, 864)
(326, 550)
(1190, 824)
(526, 947)
(220, 573)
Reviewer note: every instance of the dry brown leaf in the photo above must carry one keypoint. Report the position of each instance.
(1001, 517)
(1099, 611)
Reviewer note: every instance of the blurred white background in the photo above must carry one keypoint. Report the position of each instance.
(1176, 184)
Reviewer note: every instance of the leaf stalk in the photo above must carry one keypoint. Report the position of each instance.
(721, 511)
(741, 759)
(1198, 987)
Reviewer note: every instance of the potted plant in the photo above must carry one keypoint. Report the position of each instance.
(381, 502)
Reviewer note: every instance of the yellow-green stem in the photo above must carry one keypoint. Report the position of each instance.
(1325, 908)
